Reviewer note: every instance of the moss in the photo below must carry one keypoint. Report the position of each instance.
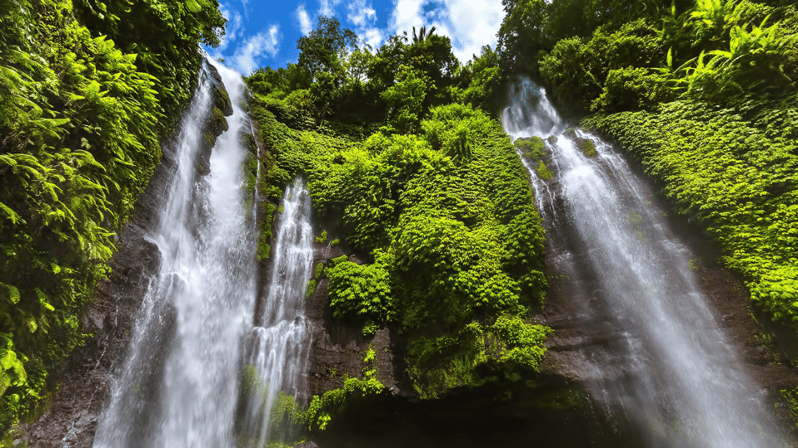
(585, 145)
(218, 122)
(221, 100)
(552, 139)
(318, 270)
(543, 171)
(310, 288)
(334, 242)
(264, 248)
(248, 141)
(791, 397)
(322, 238)
(530, 147)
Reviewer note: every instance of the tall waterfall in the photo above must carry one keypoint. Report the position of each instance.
(180, 384)
(278, 346)
(669, 374)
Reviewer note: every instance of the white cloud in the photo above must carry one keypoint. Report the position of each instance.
(361, 13)
(234, 29)
(407, 14)
(251, 50)
(470, 24)
(474, 23)
(245, 3)
(327, 7)
(372, 36)
(302, 16)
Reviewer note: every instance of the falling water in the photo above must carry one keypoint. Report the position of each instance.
(669, 374)
(278, 346)
(178, 386)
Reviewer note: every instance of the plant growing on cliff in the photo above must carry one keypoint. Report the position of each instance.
(80, 121)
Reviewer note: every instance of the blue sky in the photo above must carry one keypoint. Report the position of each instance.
(264, 33)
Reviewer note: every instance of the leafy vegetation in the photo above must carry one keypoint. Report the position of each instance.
(641, 54)
(714, 82)
(428, 190)
(733, 171)
(80, 122)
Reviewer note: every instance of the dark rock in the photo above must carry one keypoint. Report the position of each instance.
(306, 445)
(221, 100)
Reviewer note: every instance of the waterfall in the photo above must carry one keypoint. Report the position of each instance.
(278, 348)
(666, 369)
(180, 384)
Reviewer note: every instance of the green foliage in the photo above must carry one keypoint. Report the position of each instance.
(370, 356)
(508, 346)
(638, 54)
(80, 122)
(791, 396)
(406, 98)
(322, 408)
(578, 68)
(361, 290)
(733, 171)
(585, 145)
(445, 219)
(632, 88)
(530, 147)
(543, 171)
(165, 35)
(321, 238)
(323, 50)
(482, 77)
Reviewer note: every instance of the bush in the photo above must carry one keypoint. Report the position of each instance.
(631, 88)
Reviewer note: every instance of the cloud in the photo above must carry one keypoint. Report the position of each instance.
(474, 24)
(327, 7)
(470, 24)
(234, 29)
(407, 14)
(373, 36)
(251, 50)
(361, 13)
(302, 16)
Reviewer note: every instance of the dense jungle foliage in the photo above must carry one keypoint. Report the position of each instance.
(88, 89)
(703, 94)
(424, 186)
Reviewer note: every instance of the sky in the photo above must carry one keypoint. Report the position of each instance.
(264, 33)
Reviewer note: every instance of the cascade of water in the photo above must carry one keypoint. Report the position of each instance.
(178, 386)
(278, 348)
(670, 373)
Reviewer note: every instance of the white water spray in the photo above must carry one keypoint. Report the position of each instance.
(672, 374)
(179, 385)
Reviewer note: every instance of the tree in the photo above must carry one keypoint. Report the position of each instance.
(324, 49)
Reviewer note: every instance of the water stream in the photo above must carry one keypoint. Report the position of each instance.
(277, 348)
(666, 370)
(180, 383)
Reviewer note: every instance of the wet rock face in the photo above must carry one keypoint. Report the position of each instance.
(215, 124)
(338, 346)
(85, 381)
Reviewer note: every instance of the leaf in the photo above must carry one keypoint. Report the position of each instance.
(10, 214)
(13, 294)
(31, 324)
